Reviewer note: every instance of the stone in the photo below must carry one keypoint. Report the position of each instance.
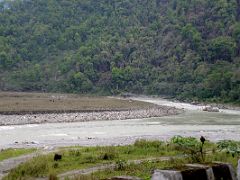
(210, 109)
(166, 175)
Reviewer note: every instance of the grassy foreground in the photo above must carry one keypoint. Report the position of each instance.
(20, 103)
(75, 158)
(10, 153)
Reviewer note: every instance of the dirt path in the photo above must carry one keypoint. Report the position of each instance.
(74, 173)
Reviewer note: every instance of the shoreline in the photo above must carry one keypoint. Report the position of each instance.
(155, 111)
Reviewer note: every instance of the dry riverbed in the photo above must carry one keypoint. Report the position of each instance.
(37, 108)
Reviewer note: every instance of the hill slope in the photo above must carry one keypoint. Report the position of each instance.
(181, 48)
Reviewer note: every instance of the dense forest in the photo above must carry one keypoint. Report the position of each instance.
(188, 49)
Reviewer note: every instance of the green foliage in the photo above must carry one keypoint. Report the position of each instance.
(222, 48)
(109, 154)
(228, 146)
(107, 47)
(192, 35)
(190, 146)
(121, 165)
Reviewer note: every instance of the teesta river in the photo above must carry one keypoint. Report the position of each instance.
(193, 122)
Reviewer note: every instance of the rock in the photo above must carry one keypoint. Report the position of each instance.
(210, 109)
(34, 142)
(166, 175)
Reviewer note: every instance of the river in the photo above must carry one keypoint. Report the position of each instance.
(193, 122)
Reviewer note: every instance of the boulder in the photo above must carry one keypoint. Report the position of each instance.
(210, 109)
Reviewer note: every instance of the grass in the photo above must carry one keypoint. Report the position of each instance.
(142, 170)
(22, 103)
(145, 169)
(85, 157)
(10, 153)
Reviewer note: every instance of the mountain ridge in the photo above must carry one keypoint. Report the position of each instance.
(187, 49)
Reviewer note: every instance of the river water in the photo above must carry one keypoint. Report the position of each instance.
(193, 122)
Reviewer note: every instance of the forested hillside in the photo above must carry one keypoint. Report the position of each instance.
(189, 49)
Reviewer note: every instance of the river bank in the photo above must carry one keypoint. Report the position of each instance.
(193, 122)
(154, 111)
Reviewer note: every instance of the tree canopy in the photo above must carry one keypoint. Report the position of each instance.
(187, 49)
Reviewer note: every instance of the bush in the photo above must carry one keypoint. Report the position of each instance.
(109, 153)
(190, 146)
(230, 147)
(121, 165)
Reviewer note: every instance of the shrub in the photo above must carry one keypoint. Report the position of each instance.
(109, 153)
(121, 165)
(230, 147)
(190, 146)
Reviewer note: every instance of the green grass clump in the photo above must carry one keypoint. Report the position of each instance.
(10, 153)
(36, 167)
(143, 143)
(109, 153)
(142, 170)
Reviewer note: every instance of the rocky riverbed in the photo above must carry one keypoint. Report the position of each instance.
(155, 111)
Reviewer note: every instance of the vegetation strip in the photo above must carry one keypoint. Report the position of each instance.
(11, 153)
(72, 174)
(91, 158)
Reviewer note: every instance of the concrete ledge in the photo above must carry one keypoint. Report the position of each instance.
(214, 171)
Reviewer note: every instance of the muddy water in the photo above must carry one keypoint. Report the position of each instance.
(194, 122)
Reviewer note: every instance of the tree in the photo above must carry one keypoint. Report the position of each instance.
(222, 48)
(190, 33)
(4, 60)
(80, 83)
